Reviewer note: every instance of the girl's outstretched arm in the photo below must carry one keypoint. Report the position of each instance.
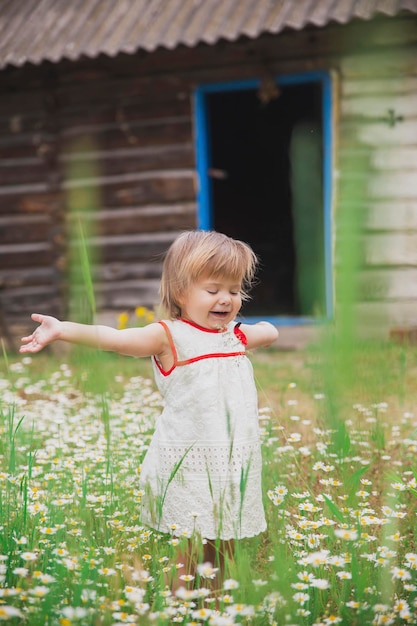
(145, 341)
(260, 335)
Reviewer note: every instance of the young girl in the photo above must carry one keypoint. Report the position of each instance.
(202, 471)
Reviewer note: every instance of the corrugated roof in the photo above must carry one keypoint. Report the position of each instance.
(32, 31)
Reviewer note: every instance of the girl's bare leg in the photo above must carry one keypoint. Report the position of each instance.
(185, 563)
(189, 554)
(219, 553)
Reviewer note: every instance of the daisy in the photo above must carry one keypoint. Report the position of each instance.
(301, 598)
(400, 573)
(7, 612)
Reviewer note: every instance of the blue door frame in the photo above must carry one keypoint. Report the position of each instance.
(203, 158)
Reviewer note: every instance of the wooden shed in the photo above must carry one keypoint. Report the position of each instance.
(291, 124)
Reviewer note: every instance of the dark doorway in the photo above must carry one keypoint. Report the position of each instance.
(266, 171)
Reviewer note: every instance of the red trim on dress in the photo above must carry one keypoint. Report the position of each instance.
(173, 349)
(213, 355)
(206, 330)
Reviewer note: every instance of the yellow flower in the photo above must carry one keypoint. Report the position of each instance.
(122, 320)
(140, 311)
(144, 315)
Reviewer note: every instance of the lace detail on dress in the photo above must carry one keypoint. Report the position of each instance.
(227, 513)
(201, 459)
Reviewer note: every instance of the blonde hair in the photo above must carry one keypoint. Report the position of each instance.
(197, 254)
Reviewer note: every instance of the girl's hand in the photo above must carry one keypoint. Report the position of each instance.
(47, 332)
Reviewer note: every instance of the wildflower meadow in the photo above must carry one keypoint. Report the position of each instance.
(340, 487)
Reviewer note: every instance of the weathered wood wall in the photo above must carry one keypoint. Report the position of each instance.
(112, 141)
(378, 128)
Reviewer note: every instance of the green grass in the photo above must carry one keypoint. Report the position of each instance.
(340, 487)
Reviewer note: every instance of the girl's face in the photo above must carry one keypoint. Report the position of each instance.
(211, 302)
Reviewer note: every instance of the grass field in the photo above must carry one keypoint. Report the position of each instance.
(339, 439)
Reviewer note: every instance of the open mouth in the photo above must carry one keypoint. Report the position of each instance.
(220, 314)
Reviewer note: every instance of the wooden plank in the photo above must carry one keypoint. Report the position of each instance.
(388, 284)
(378, 134)
(124, 295)
(131, 177)
(118, 272)
(31, 138)
(20, 171)
(126, 152)
(27, 188)
(139, 128)
(38, 203)
(376, 106)
(150, 190)
(117, 221)
(387, 249)
(395, 158)
(389, 158)
(25, 300)
(137, 247)
(391, 63)
(131, 159)
(27, 276)
(124, 111)
(396, 214)
(398, 185)
(16, 150)
(154, 222)
(33, 196)
(404, 84)
(128, 294)
(25, 255)
(376, 319)
(22, 229)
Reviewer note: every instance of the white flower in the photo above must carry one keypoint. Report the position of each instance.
(320, 583)
(301, 598)
(186, 594)
(29, 556)
(230, 584)
(201, 613)
(317, 558)
(187, 577)
(240, 609)
(399, 486)
(125, 618)
(39, 591)
(48, 530)
(22, 541)
(344, 575)
(6, 612)
(71, 612)
(21, 571)
(400, 573)
(107, 571)
(347, 534)
(401, 605)
(206, 570)
(220, 620)
(134, 594)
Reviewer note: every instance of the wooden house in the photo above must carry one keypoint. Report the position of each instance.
(291, 124)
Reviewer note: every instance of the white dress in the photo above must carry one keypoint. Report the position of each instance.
(202, 471)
